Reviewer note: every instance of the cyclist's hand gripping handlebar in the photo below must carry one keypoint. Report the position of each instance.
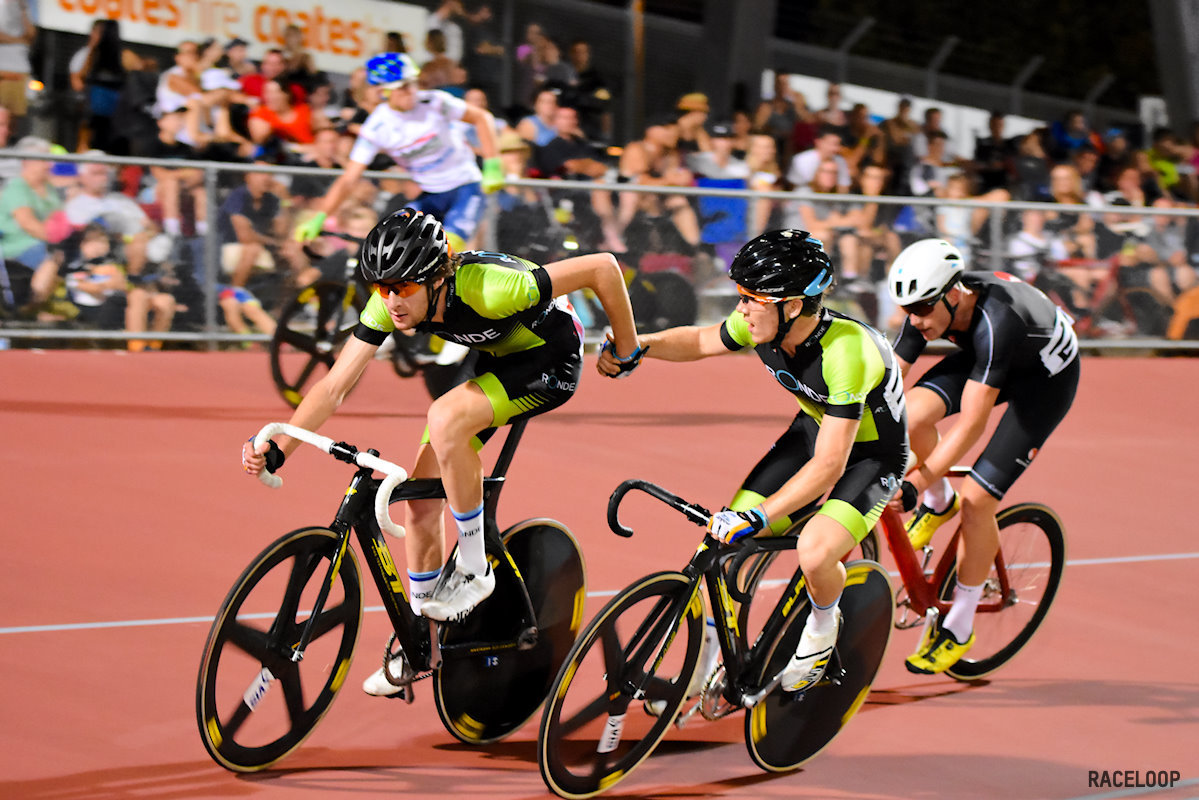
(394, 472)
(697, 514)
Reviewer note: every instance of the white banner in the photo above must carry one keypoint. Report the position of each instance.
(340, 35)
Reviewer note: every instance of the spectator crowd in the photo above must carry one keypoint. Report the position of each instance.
(123, 248)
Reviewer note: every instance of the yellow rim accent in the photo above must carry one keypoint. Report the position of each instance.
(214, 732)
(292, 396)
(857, 703)
(608, 780)
(339, 677)
(468, 726)
(758, 722)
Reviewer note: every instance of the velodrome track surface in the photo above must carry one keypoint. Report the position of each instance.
(126, 518)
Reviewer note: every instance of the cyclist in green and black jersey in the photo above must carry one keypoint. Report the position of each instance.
(531, 354)
(848, 443)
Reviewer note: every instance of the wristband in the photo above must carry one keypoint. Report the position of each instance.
(493, 175)
(627, 363)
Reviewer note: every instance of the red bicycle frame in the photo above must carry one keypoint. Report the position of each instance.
(922, 587)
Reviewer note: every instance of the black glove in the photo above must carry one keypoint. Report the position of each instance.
(273, 455)
(629, 362)
(908, 496)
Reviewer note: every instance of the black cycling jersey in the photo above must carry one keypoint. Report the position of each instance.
(1019, 342)
(1015, 331)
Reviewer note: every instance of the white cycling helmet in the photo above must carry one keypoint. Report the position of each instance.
(924, 271)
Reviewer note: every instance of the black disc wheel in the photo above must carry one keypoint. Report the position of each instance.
(621, 686)
(1016, 598)
(312, 329)
(255, 702)
(786, 729)
(482, 698)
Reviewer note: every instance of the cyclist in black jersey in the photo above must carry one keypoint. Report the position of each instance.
(531, 353)
(1017, 348)
(848, 441)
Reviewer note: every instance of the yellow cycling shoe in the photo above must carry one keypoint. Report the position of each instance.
(925, 521)
(937, 652)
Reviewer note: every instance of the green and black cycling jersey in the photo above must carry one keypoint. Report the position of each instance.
(844, 369)
(497, 303)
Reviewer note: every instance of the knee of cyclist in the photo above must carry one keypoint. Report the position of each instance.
(813, 554)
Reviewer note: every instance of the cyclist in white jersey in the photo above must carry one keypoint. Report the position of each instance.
(417, 130)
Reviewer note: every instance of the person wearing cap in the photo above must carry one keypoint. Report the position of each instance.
(693, 116)
(416, 129)
(725, 218)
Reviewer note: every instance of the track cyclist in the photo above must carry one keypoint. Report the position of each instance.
(531, 354)
(849, 438)
(1016, 347)
(416, 129)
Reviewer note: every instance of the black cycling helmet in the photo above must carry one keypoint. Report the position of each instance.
(407, 246)
(784, 263)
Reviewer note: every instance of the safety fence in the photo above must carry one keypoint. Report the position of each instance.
(1127, 275)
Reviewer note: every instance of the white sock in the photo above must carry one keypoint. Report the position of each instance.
(201, 227)
(939, 496)
(420, 588)
(171, 226)
(472, 557)
(823, 618)
(960, 619)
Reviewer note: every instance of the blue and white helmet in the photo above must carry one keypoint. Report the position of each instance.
(391, 68)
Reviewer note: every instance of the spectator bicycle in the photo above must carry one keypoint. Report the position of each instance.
(281, 644)
(315, 323)
(639, 654)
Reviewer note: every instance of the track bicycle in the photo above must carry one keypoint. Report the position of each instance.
(627, 677)
(317, 321)
(281, 644)
(1017, 593)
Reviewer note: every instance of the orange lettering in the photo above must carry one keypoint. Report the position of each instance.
(357, 51)
(89, 6)
(280, 20)
(336, 31)
(65, 5)
(148, 9)
(259, 33)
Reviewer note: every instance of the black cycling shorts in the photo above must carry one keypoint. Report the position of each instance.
(1035, 406)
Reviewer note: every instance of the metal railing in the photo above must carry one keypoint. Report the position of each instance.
(531, 219)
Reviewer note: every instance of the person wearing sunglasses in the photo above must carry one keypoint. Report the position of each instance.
(846, 450)
(1018, 348)
(530, 343)
(418, 129)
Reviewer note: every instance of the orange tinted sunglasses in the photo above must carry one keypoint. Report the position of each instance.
(759, 298)
(403, 289)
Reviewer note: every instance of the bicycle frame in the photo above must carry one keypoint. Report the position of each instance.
(709, 562)
(921, 585)
(356, 512)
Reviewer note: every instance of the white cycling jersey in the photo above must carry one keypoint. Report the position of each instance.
(424, 141)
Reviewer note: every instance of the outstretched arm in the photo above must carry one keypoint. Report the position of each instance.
(600, 273)
(685, 343)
